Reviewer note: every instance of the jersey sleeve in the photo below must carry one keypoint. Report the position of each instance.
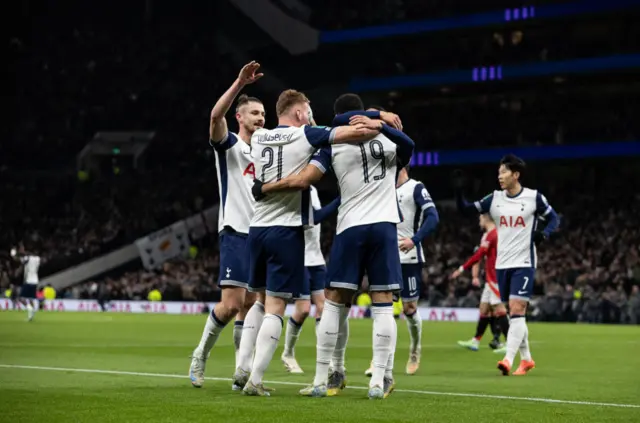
(343, 119)
(484, 205)
(226, 143)
(491, 239)
(322, 159)
(542, 205)
(422, 198)
(319, 136)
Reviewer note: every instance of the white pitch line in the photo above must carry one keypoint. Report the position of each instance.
(274, 382)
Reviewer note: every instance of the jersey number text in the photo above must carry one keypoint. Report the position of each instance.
(377, 152)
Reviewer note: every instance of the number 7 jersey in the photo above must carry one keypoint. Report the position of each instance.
(366, 174)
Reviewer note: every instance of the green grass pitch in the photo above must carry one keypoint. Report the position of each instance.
(84, 367)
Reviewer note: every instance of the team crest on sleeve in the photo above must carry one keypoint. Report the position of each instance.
(425, 194)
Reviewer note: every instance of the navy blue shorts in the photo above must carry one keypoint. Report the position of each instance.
(314, 279)
(28, 290)
(276, 260)
(412, 281)
(372, 248)
(234, 260)
(516, 283)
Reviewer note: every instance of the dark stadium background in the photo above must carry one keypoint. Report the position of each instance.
(556, 82)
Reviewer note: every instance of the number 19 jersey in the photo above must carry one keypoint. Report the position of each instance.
(366, 174)
(276, 154)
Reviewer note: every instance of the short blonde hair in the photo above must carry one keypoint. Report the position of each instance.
(287, 99)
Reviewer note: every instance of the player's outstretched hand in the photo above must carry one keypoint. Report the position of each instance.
(455, 274)
(248, 73)
(475, 282)
(391, 119)
(365, 122)
(256, 190)
(538, 237)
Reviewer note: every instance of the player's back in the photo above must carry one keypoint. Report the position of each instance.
(276, 154)
(235, 179)
(366, 177)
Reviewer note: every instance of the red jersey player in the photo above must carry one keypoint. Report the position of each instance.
(490, 304)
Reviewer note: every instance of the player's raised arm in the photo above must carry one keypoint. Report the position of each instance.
(551, 219)
(472, 262)
(218, 123)
(475, 208)
(387, 117)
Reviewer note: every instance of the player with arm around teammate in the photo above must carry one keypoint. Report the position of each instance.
(515, 209)
(276, 236)
(366, 240)
(490, 303)
(235, 173)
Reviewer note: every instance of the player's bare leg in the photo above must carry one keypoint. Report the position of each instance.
(517, 340)
(414, 324)
(230, 304)
(266, 344)
(292, 333)
(474, 343)
(334, 317)
(252, 323)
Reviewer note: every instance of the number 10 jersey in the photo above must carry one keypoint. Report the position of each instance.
(366, 175)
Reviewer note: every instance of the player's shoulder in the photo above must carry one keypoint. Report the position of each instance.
(529, 193)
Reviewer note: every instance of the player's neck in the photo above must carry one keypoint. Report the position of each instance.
(401, 180)
(514, 190)
(245, 136)
(287, 121)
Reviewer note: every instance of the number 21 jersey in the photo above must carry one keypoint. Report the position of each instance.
(276, 154)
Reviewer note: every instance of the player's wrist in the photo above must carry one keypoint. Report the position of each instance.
(461, 269)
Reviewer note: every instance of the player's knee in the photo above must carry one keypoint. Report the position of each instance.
(249, 300)
(233, 300)
(319, 308)
(485, 310)
(499, 310)
(382, 297)
(303, 308)
(409, 308)
(339, 296)
(261, 296)
(517, 307)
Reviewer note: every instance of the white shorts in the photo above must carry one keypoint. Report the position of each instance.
(491, 294)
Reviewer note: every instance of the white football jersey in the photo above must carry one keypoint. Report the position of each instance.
(31, 266)
(312, 251)
(235, 179)
(515, 219)
(276, 154)
(366, 174)
(413, 199)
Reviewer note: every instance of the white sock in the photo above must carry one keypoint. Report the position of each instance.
(212, 330)
(517, 332)
(266, 345)
(384, 331)
(388, 371)
(291, 336)
(337, 360)
(525, 353)
(327, 337)
(250, 329)
(237, 333)
(414, 323)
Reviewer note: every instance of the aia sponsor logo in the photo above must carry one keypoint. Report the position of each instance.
(512, 221)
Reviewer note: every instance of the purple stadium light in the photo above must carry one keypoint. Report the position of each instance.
(532, 11)
(516, 14)
(412, 162)
(507, 15)
(492, 73)
(436, 161)
(500, 72)
(474, 76)
(420, 159)
(483, 74)
(428, 159)
(525, 13)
